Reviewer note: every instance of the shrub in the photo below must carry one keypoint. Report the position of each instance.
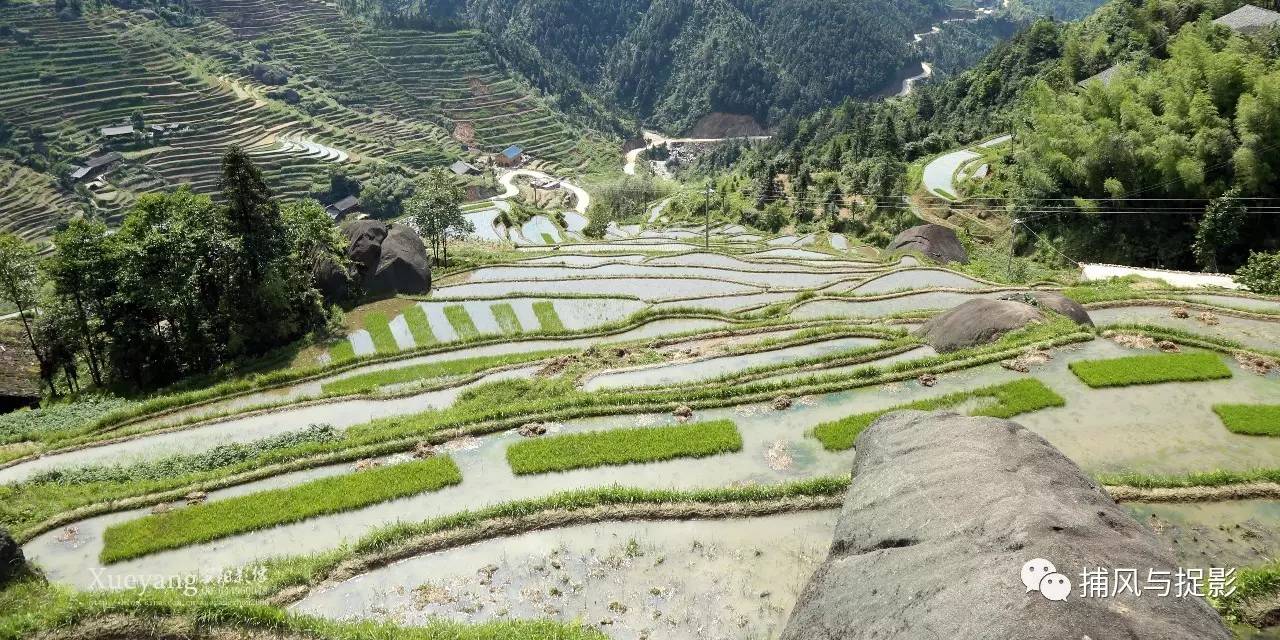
(1261, 274)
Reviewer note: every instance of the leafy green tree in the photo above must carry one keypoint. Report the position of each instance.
(1261, 274)
(19, 283)
(76, 271)
(1219, 229)
(436, 211)
(384, 195)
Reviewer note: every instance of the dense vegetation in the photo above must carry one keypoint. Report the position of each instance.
(671, 61)
(1162, 166)
(185, 286)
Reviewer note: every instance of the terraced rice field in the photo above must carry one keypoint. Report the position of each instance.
(765, 342)
(397, 96)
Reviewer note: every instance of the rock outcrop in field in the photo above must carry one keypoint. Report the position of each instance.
(1055, 302)
(942, 523)
(385, 259)
(936, 242)
(11, 559)
(977, 322)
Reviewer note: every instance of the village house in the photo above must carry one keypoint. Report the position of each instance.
(462, 168)
(512, 156)
(342, 208)
(94, 166)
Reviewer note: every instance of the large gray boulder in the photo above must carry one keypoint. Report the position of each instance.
(12, 561)
(364, 244)
(385, 259)
(403, 266)
(977, 322)
(944, 513)
(1055, 302)
(936, 242)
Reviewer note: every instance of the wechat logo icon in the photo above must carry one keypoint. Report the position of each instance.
(1040, 575)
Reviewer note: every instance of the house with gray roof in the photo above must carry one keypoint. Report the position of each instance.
(1249, 19)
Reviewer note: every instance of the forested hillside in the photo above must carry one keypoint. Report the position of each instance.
(671, 61)
(1120, 172)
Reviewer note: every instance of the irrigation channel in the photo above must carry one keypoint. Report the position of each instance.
(804, 315)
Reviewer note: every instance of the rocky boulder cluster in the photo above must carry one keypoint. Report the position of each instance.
(950, 518)
(384, 259)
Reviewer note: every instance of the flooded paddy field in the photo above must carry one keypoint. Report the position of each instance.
(1249, 332)
(1165, 437)
(715, 579)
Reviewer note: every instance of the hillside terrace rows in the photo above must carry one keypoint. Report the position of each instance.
(79, 75)
(431, 77)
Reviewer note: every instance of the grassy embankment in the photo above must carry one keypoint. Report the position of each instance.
(1151, 369)
(1009, 400)
(1250, 419)
(623, 446)
(223, 518)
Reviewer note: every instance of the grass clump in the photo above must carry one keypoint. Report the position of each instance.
(547, 316)
(29, 424)
(461, 322)
(465, 366)
(1151, 369)
(1010, 399)
(419, 327)
(214, 520)
(219, 457)
(1250, 419)
(507, 320)
(1219, 478)
(623, 446)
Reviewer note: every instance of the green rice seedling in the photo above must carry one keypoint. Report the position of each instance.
(547, 316)
(342, 351)
(416, 317)
(379, 329)
(1250, 419)
(1010, 399)
(1151, 369)
(507, 320)
(223, 518)
(623, 446)
(426, 371)
(461, 322)
(546, 237)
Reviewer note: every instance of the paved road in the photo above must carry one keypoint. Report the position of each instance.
(1175, 278)
(653, 139)
(939, 173)
(507, 179)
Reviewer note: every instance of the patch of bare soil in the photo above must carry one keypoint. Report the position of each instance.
(778, 456)
(1028, 359)
(726, 125)
(1249, 491)
(464, 132)
(1255, 363)
(1133, 340)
